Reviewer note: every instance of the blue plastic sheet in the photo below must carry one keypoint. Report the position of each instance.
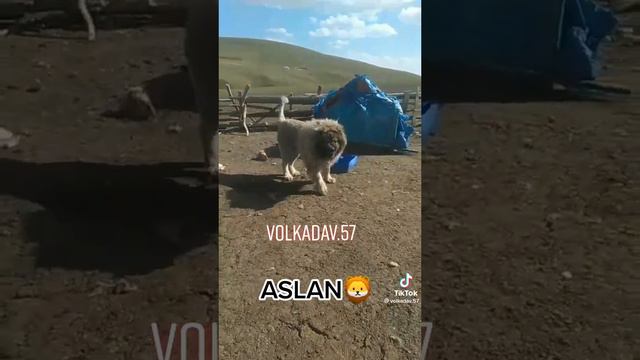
(369, 116)
(430, 120)
(585, 25)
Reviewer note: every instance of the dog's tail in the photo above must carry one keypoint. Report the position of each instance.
(283, 102)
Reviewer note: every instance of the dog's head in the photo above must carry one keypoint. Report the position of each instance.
(330, 139)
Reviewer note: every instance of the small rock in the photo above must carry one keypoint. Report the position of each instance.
(301, 206)
(527, 185)
(259, 213)
(174, 129)
(42, 64)
(7, 139)
(567, 275)
(34, 88)
(528, 143)
(262, 156)
(136, 104)
(123, 287)
(476, 186)
(26, 292)
(452, 225)
(621, 132)
(398, 341)
(393, 264)
(625, 30)
(274, 163)
(553, 217)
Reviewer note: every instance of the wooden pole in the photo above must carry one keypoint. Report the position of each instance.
(405, 101)
(243, 102)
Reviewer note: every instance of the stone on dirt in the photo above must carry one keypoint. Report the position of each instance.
(7, 139)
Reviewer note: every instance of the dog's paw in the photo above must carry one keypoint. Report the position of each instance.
(331, 180)
(288, 177)
(294, 171)
(322, 189)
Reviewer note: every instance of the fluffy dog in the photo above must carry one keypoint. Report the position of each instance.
(318, 142)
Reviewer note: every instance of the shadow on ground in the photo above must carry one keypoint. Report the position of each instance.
(123, 219)
(260, 192)
(273, 152)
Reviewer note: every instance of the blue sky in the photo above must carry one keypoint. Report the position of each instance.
(380, 32)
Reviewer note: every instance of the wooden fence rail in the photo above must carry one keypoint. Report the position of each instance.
(234, 113)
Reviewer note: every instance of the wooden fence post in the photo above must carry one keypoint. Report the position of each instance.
(405, 101)
(243, 102)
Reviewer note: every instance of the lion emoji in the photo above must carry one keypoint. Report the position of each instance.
(358, 289)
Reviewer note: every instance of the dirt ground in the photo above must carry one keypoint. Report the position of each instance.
(381, 197)
(531, 222)
(86, 201)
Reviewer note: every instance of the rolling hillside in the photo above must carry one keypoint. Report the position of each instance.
(263, 64)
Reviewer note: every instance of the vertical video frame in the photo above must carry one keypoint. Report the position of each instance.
(319, 184)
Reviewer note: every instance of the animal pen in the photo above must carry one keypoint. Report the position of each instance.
(232, 109)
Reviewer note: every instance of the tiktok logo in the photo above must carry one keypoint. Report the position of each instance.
(405, 282)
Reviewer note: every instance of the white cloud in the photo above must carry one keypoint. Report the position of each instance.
(331, 5)
(410, 64)
(351, 27)
(280, 32)
(411, 15)
(339, 44)
(285, 41)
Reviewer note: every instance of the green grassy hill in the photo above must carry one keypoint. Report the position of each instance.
(261, 63)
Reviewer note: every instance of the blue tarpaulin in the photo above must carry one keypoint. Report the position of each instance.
(584, 26)
(369, 116)
(556, 39)
(430, 120)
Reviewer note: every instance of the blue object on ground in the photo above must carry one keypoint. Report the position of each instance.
(346, 163)
(430, 120)
(369, 116)
(556, 39)
(585, 25)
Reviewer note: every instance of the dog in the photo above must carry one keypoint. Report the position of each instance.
(200, 46)
(318, 142)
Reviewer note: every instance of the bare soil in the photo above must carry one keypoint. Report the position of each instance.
(531, 222)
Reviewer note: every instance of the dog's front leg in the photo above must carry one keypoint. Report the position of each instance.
(326, 174)
(286, 170)
(318, 181)
(209, 137)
